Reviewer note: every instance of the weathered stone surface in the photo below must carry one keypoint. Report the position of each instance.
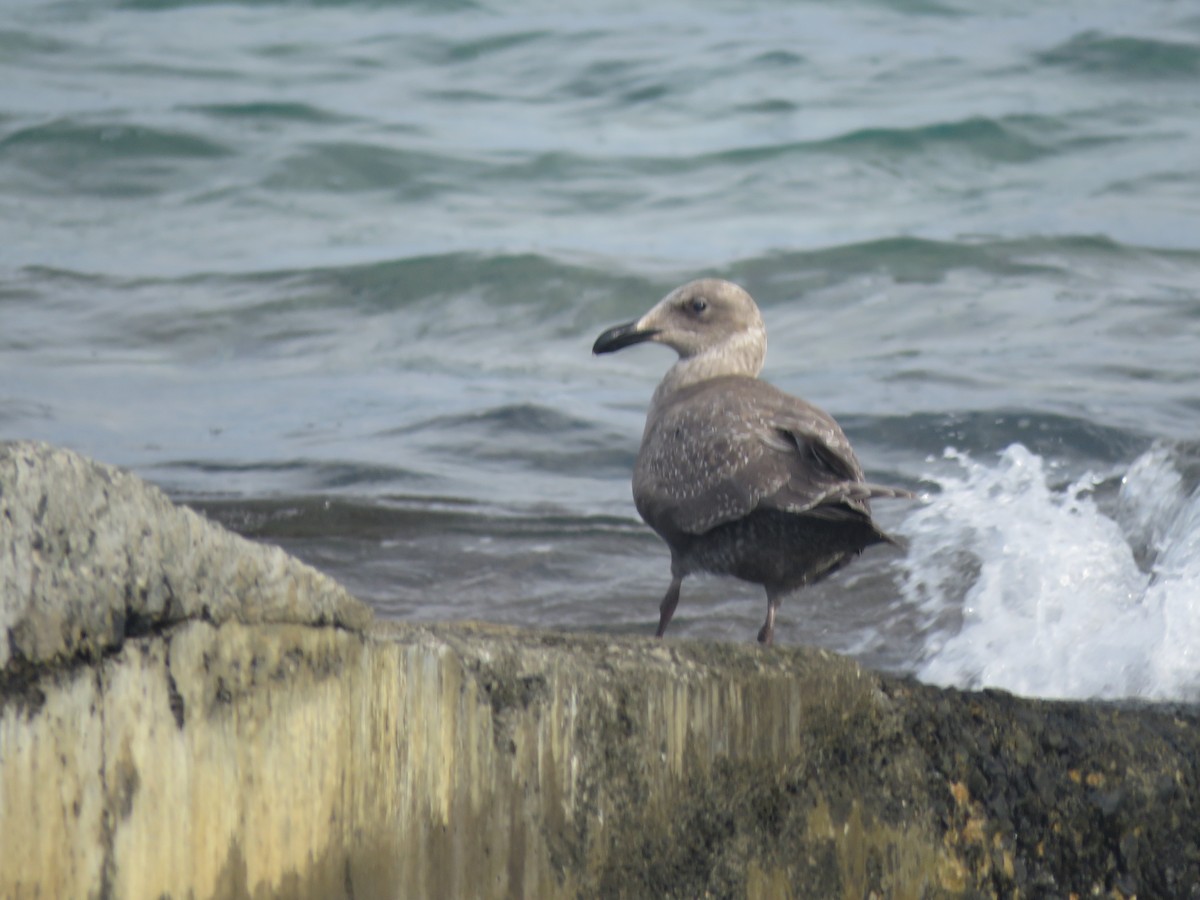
(253, 755)
(92, 554)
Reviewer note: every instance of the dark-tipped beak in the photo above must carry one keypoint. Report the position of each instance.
(620, 336)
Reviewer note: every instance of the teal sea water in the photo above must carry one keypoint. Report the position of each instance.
(331, 272)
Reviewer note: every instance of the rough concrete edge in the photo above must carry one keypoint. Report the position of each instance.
(167, 565)
(972, 793)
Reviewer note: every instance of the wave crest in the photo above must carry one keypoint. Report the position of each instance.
(1059, 591)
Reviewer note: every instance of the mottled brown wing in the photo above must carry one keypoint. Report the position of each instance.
(724, 447)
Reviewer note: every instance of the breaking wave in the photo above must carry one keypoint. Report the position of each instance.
(1088, 589)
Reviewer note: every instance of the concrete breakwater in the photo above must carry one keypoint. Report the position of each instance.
(187, 714)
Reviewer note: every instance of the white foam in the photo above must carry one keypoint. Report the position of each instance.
(1037, 590)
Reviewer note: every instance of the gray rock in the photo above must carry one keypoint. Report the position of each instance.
(90, 555)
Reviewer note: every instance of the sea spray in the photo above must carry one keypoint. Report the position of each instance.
(1044, 591)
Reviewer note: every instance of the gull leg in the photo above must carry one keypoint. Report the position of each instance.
(766, 634)
(666, 609)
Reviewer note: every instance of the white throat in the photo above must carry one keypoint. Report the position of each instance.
(740, 354)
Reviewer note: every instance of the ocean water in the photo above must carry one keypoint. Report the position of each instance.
(331, 271)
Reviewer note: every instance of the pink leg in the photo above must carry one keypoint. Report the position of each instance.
(667, 608)
(766, 634)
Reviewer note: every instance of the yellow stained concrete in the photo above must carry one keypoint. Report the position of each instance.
(51, 792)
(288, 760)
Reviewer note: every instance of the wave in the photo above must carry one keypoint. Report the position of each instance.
(480, 48)
(1070, 440)
(927, 261)
(1087, 590)
(292, 476)
(997, 140)
(349, 167)
(585, 293)
(1096, 53)
(525, 277)
(1005, 139)
(105, 159)
(106, 141)
(396, 517)
(413, 174)
(442, 6)
(516, 417)
(259, 110)
(525, 436)
(16, 46)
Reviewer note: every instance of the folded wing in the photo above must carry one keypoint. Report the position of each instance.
(730, 445)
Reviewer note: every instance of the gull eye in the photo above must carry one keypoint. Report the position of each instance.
(697, 305)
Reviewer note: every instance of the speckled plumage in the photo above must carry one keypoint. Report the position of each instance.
(736, 476)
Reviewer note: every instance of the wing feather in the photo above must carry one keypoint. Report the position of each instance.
(717, 450)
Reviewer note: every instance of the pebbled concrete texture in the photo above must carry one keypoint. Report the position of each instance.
(254, 734)
(92, 554)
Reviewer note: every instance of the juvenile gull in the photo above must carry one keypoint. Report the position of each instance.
(736, 476)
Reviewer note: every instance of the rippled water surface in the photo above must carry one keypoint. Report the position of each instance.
(331, 272)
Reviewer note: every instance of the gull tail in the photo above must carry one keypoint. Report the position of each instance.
(882, 492)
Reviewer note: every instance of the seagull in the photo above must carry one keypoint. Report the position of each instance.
(736, 476)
